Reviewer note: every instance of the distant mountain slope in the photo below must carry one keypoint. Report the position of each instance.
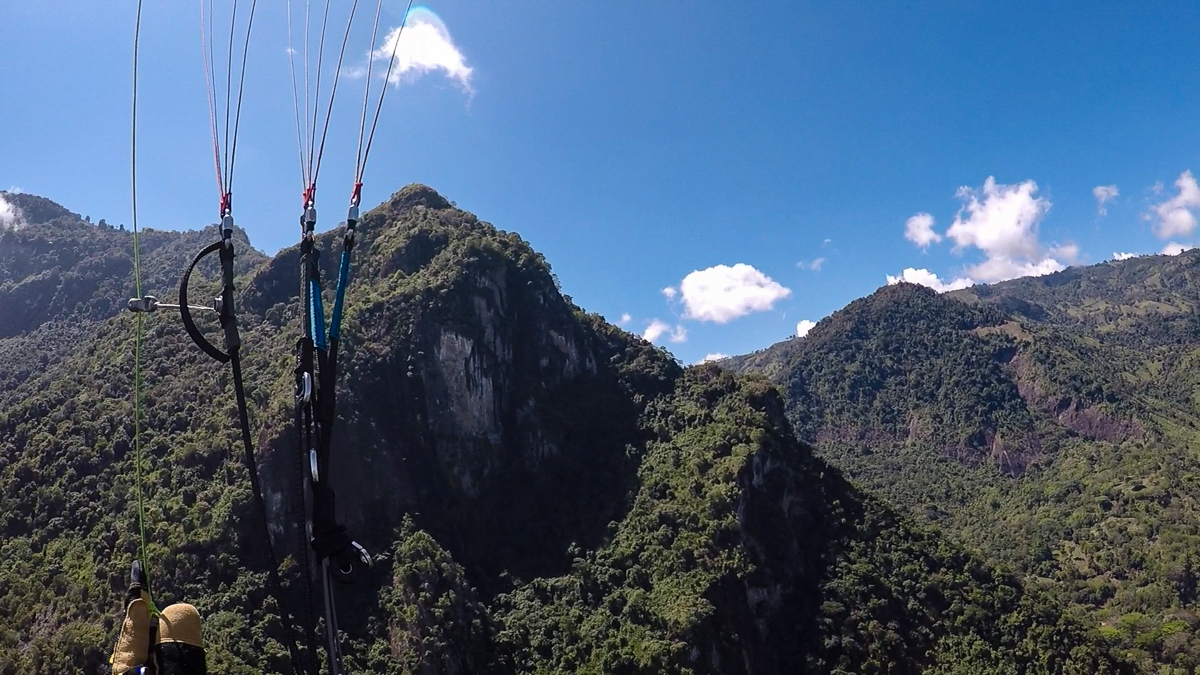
(54, 266)
(1058, 437)
(552, 493)
(1143, 301)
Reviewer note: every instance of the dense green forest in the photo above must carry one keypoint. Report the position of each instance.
(542, 491)
(1049, 424)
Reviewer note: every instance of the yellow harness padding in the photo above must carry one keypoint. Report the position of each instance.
(180, 623)
(133, 647)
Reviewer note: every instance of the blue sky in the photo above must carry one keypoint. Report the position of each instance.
(714, 149)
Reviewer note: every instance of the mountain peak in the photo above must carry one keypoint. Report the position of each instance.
(416, 194)
(33, 210)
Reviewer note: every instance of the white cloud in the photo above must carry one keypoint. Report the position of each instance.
(1124, 256)
(919, 230)
(926, 278)
(669, 292)
(1104, 194)
(1002, 221)
(1002, 269)
(814, 265)
(655, 330)
(625, 318)
(1175, 249)
(1175, 215)
(424, 45)
(1066, 252)
(10, 215)
(659, 329)
(715, 356)
(722, 293)
(804, 326)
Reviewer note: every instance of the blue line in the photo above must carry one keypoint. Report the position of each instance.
(316, 314)
(335, 327)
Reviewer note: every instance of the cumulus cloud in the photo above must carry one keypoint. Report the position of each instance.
(804, 326)
(919, 230)
(10, 215)
(1002, 221)
(722, 293)
(926, 278)
(1175, 249)
(659, 329)
(422, 45)
(1104, 194)
(715, 356)
(1001, 269)
(1124, 256)
(814, 265)
(669, 292)
(655, 330)
(1175, 216)
(625, 318)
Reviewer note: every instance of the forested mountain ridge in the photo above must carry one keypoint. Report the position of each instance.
(60, 273)
(55, 266)
(1139, 302)
(1047, 422)
(543, 492)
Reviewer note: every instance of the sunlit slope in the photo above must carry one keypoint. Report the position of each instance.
(1050, 423)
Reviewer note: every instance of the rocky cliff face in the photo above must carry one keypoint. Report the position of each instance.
(476, 397)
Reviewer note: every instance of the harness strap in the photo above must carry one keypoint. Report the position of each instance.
(233, 343)
(305, 390)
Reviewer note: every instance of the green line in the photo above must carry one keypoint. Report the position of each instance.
(137, 339)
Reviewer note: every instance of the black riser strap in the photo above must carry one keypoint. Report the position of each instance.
(256, 486)
(299, 464)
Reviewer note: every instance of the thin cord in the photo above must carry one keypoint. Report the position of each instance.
(237, 118)
(337, 76)
(362, 121)
(296, 99)
(137, 339)
(229, 88)
(312, 143)
(307, 81)
(206, 57)
(386, 78)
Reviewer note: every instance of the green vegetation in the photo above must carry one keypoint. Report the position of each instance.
(1060, 439)
(543, 491)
